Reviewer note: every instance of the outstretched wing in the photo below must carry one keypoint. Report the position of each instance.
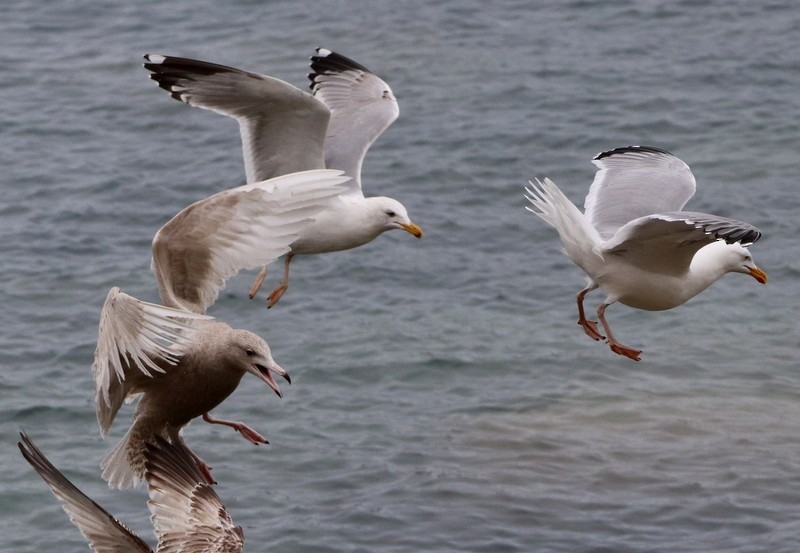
(104, 533)
(187, 514)
(282, 127)
(634, 182)
(362, 106)
(667, 242)
(242, 228)
(135, 339)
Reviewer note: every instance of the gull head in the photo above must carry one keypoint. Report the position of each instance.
(252, 354)
(391, 214)
(738, 260)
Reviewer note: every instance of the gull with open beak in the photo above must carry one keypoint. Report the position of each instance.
(178, 361)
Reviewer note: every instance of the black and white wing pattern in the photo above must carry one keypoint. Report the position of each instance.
(667, 242)
(362, 106)
(135, 340)
(187, 514)
(282, 127)
(104, 533)
(634, 182)
(241, 228)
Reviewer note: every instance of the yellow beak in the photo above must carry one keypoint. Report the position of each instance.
(412, 228)
(759, 275)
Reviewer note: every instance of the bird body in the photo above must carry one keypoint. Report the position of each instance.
(634, 242)
(200, 365)
(285, 129)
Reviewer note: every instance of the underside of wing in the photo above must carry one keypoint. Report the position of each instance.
(282, 128)
(362, 107)
(104, 533)
(634, 182)
(135, 339)
(187, 514)
(204, 245)
(667, 242)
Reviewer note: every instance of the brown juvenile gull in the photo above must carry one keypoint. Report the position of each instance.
(188, 515)
(180, 362)
(284, 129)
(635, 243)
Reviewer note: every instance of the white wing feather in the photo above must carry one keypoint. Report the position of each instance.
(634, 182)
(362, 106)
(242, 228)
(282, 127)
(133, 336)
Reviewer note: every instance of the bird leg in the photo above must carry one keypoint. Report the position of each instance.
(205, 469)
(257, 282)
(589, 327)
(247, 433)
(615, 346)
(279, 290)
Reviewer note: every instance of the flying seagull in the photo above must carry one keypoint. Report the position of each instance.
(635, 242)
(285, 129)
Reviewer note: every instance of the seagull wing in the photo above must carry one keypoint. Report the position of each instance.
(362, 106)
(634, 182)
(135, 339)
(282, 127)
(242, 228)
(187, 514)
(104, 533)
(667, 242)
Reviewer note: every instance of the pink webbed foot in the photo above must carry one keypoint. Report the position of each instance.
(625, 351)
(247, 433)
(276, 294)
(590, 328)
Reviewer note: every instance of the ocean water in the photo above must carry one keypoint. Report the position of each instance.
(443, 398)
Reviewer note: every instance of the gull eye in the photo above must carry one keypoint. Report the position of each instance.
(390, 213)
(249, 352)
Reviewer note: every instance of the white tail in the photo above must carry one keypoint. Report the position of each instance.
(118, 466)
(580, 238)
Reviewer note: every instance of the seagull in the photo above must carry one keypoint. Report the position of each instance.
(187, 513)
(285, 129)
(634, 241)
(178, 361)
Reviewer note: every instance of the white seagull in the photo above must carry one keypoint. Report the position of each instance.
(188, 515)
(284, 129)
(635, 243)
(180, 362)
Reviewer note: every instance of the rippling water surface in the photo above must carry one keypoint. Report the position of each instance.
(443, 398)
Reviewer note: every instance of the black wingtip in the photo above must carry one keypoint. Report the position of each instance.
(631, 149)
(327, 61)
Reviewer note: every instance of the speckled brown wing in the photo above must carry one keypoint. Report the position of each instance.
(187, 513)
(104, 533)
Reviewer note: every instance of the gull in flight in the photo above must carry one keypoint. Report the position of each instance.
(634, 242)
(188, 515)
(285, 129)
(178, 361)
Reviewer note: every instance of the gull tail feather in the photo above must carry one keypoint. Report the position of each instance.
(581, 240)
(118, 466)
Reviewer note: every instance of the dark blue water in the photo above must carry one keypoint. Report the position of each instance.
(443, 398)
